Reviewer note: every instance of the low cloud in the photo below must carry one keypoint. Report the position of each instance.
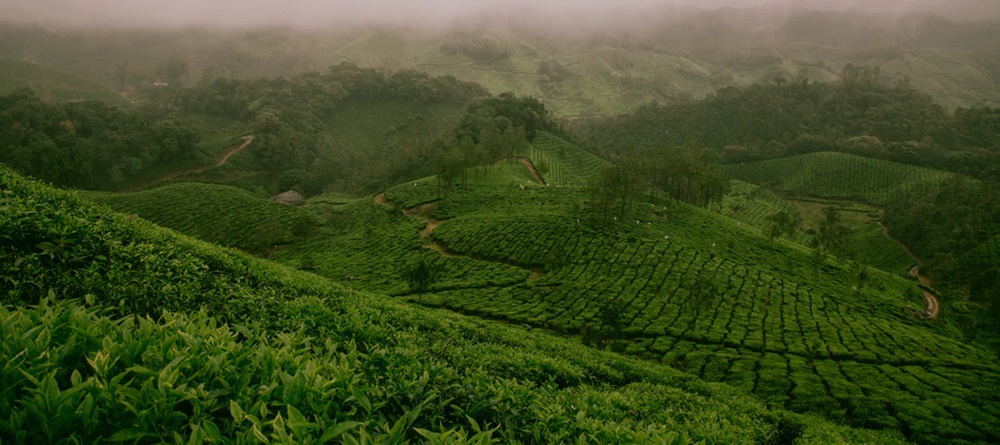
(320, 13)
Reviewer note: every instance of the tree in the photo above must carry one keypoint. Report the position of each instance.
(611, 193)
(859, 272)
(783, 223)
(818, 257)
(420, 276)
(174, 71)
(831, 231)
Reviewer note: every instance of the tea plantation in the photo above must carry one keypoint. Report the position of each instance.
(117, 330)
(674, 285)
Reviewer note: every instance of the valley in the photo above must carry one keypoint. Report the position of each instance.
(746, 225)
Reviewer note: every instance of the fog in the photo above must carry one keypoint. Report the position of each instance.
(428, 13)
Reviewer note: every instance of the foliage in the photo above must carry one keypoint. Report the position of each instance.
(349, 129)
(838, 175)
(86, 144)
(222, 215)
(858, 115)
(758, 315)
(108, 337)
(421, 275)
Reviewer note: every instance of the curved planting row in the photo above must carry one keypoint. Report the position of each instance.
(219, 214)
(562, 162)
(839, 175)
(368, 246)
(723, 303)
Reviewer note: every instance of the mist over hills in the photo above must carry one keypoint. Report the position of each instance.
(585, 60)
(780, 217)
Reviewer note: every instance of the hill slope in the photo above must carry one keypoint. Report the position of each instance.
(840, 175)
(250, 349)
(223, 215)
(586, 69)
(684, 286)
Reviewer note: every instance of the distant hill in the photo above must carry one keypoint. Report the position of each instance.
(840, 175)
(52, 84)
(668, 55)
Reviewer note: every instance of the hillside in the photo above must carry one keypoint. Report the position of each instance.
(756, 206)
(666, 55)
(222, 215)
(693, 291)
(118, 329)
(53, 85)
(684, 286)
(840, 175)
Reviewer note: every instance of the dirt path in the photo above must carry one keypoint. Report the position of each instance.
(423, 212)
(527, 163)
(933, 306)
(226, 154)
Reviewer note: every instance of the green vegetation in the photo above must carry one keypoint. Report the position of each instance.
(839, 175)
(681, 54)
(348, 129)
(223, 215)
(692, 290)
(118, 330)
(859, 114)
(781, 288)
(52, 85)
(86, 144)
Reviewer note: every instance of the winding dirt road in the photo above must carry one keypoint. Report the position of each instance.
(422, 212)
(933, 306)
(226, 154)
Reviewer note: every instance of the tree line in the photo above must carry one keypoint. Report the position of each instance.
(863, 113)
(87, 144)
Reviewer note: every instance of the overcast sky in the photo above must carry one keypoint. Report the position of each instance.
(430, 12)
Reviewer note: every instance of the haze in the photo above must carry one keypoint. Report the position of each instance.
(313, 13)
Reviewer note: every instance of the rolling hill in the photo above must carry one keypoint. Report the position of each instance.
(116, 329)
(54, 85)
(666, 56)
(840, 175)
(684, 287)
(222, 215)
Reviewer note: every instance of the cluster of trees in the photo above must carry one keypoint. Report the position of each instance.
(687, 173)
(319, 94)
(864, 113)
(492, 129)
(86, 144)
(945, 225)
(946, 228)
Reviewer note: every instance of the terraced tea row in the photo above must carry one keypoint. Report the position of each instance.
(722, 302)
(839, 175)
(117, 330)
(223, 215)
(563, 162)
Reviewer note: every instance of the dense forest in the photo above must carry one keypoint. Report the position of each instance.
(87, 144)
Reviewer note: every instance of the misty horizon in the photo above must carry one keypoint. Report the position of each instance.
(427, 13)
